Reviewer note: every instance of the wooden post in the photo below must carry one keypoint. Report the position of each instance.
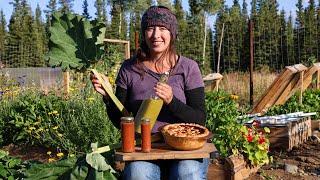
(217, 84)
(126, 45)
(66, 83)
(127, 52)
(301, 89)
(318, 79)
(251, 61)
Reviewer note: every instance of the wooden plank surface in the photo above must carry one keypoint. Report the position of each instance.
(163, 151)
(274, 90)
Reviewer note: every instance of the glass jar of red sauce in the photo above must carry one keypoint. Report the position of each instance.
(127, 134)
(145, 135)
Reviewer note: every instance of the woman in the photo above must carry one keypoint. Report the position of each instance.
(183, 94)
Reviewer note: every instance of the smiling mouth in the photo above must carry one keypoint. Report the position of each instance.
(157, 42)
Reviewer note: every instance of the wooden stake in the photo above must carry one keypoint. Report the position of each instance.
(251, 61)
(301, 85)
(66, 83)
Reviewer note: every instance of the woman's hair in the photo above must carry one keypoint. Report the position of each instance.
(157, 16)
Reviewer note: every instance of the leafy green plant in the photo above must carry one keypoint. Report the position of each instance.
(310, 103)
(48, 120)
(256, 144)
(221, 109)
(93, 165)
(11, 168)
(75, 42)
(230, 136)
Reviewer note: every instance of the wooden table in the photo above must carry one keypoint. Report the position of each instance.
(163, 151)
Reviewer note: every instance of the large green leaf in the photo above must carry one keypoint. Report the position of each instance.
(75, 42)
(50, 170)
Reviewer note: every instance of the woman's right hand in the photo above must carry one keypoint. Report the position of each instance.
(97, 85)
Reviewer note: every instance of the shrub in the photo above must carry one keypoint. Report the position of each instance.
(310, 103)
(68, 124)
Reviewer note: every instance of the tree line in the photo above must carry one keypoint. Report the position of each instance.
(278, 39)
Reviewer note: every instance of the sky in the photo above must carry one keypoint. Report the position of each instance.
(287, 5)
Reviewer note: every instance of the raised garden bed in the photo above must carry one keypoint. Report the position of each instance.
(231, 168)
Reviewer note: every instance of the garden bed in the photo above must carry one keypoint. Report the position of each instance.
(306, 158)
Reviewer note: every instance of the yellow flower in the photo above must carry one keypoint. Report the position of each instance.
(51, 160)
(40, 129)
(234, 97)
(59, 135)
(49, 152)
(55, 128)
(60, 154)
(54, 112)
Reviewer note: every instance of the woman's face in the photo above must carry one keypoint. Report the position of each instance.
(158, 39)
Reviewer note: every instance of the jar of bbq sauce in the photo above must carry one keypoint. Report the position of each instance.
(145, 135)
(127, 134)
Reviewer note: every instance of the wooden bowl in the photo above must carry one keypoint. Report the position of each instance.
(185, 140)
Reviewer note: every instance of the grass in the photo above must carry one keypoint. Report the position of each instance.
(238, 83)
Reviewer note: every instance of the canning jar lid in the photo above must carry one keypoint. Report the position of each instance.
(127, 118)
(145, 120)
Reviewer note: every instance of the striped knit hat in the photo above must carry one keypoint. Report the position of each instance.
(159, 16)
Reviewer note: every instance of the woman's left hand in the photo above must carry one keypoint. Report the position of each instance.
(164, 91)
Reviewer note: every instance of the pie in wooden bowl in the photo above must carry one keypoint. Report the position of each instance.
(185, 136)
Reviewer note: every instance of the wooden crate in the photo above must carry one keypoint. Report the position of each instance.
(290, 134)
(233, 168)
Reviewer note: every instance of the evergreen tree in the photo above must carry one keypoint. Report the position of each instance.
(267, 28)
(222, 19)
(118, 27)
(253, 9)
(85, 12)
(245, 53)
(166, 3)
(299, 32)
(3, 33)
(310, 43)
(136, 8)
(283, 46)
(101, 13)
(51, 8)
(290, 41)
(318, 31)
(182, 26)
(65, 6)
(39, 39)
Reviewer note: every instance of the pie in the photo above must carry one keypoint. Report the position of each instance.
(186, 130)
(185, 136)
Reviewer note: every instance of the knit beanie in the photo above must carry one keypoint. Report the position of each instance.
(159, 16)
